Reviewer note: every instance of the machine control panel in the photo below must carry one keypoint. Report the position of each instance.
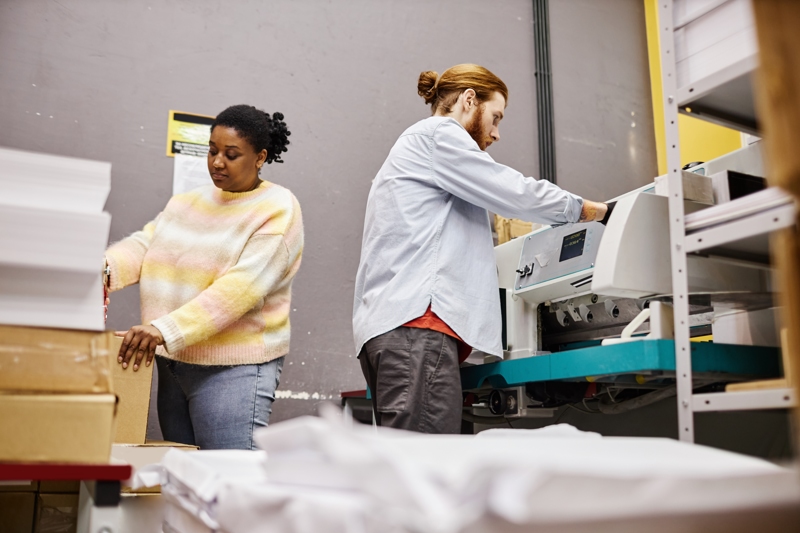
(554, 253)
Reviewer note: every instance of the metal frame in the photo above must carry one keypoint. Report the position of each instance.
(680, 243)
(745, 400)
(677, 225)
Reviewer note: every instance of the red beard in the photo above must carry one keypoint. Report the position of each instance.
(476, 130)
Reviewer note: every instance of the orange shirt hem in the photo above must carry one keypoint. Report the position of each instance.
(429, 320)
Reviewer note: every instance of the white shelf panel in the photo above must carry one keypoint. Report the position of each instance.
(716, 51)
(714, 81)
(741, 229)
(724, 97)
(744, 400)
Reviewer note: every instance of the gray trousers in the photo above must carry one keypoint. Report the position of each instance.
(414, 378)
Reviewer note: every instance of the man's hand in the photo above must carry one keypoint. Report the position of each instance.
(139, 343)
(592, 211)
(609, 210)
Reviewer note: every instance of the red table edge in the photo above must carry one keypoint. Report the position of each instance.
(64, 472)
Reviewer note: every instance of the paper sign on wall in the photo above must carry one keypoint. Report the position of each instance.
(189, 173)
(188, 133)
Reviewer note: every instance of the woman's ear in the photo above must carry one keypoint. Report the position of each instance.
(261, 159)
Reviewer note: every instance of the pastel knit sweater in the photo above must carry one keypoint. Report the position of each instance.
(215, 271)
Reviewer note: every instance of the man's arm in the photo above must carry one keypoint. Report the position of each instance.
(459, 167)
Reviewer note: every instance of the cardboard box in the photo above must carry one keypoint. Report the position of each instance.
(133, 390)
(69, 428)
(17, 511)
(56, 512)
(139, 455)
(60, 487)
(696, 187)
(511, 228)
(19, 486)
(55, 360)
(140, 513)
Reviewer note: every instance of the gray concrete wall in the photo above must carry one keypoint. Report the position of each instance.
(96, 79)
(605, 140)
(344, 73)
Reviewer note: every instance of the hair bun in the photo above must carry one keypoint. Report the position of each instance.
(427, 84)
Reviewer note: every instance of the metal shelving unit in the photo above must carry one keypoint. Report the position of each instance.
(724, 97)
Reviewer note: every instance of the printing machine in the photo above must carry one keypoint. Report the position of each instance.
(587, 314)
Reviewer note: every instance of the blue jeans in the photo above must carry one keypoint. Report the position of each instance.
(215, 407)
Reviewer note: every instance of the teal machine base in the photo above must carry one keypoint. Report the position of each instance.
(641, 357)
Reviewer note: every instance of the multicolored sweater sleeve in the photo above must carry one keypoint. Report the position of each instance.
(125, 257)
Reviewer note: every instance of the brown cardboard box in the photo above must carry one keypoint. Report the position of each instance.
(142, 513)
(133, 390)
(19, 486)
(56, 512)
(511, 228)
(16, 511)
(55, 360)
(139, 455)
(60, 487)
(70, 428)
(519, 228)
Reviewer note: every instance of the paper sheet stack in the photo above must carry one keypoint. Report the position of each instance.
(53, 233)
(320, 475)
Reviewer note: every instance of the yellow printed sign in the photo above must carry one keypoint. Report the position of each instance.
(188, 133)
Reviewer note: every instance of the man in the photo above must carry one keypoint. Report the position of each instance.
(426, 289)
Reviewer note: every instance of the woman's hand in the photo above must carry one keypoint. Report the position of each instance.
(139, 343)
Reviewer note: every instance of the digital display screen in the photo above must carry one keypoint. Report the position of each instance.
(572, 245)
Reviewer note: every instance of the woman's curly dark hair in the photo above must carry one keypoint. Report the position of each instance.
(262, 131)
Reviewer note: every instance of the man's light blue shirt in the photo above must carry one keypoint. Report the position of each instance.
(428, 239)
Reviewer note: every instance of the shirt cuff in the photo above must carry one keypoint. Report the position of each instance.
(122, 274)
(174, 340)
(114, 277)
(574, 208)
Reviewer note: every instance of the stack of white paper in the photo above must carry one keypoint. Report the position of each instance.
(321, 475)
(192, 481)
(53, 233)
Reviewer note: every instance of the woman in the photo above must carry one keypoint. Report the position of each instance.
(215, 270)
